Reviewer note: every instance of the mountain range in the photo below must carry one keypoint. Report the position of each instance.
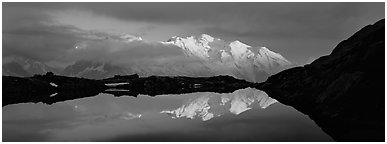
(216, 57)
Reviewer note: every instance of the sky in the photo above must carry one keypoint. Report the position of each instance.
(301, 32)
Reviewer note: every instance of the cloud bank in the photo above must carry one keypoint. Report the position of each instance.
(49, 32)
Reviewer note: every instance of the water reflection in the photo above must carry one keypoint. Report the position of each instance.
(108, 118)
(210, 105)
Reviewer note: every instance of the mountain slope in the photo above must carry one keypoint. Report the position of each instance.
(14, 69)
(342, 92)
(241, 60)
(23, 67)
(93, 70)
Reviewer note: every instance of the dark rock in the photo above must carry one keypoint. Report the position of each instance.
(342, 92)
(48, 89)
(49, 74)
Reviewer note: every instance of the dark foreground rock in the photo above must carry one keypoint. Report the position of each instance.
(342, 92)
(47, 89)
(51, 88)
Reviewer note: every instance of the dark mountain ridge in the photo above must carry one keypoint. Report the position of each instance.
(342, 92)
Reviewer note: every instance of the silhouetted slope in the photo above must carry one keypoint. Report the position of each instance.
(342, 92)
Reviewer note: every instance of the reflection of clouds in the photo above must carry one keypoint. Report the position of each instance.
(92, 126)
(80, 109)
(150, 123)
(129, 116)
(99, 118)
(209, 105)
(104, 117)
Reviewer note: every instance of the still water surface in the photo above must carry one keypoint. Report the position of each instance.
(244, 115)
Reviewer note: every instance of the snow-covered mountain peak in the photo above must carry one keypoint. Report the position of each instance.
(208, 37)
(208, 47)
(205, 54)
(238, 44)
(274, 57)
(203, 38)
(242, 60)
(238, 49)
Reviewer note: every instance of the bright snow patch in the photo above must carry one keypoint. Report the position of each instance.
(208, 37)
(53, 84)
(116, 90)
(129, 116)
(115, 84)
(197, 85)
(54, 94)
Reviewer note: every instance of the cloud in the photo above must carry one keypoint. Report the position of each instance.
(49, 31)
(123, 53)
(29, 33)
(38, 35)
(295, 20)
(319, 20)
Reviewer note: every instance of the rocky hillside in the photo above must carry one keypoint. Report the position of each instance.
(342, 92)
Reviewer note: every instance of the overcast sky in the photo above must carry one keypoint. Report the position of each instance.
(299, 31)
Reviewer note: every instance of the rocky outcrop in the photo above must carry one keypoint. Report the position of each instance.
(342, 92)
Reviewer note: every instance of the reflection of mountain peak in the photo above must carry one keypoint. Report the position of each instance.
(211, 105)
